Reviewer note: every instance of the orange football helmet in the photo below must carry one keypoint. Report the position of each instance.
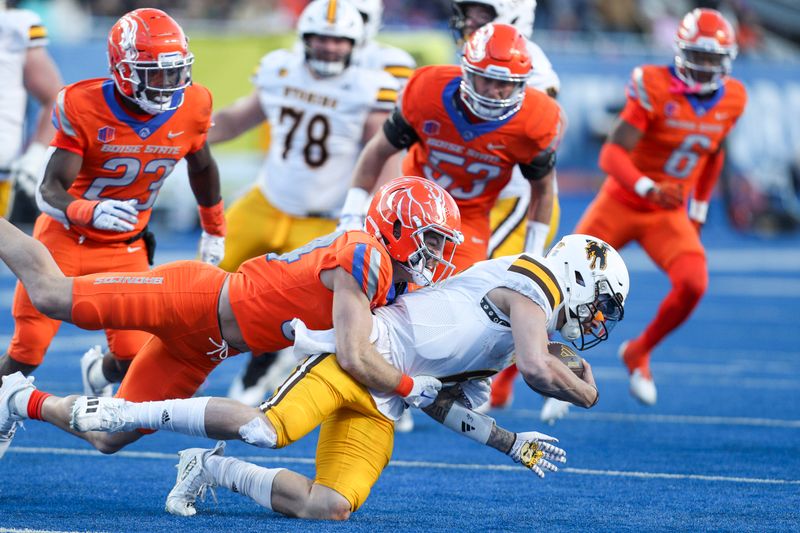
(497, 52)
(420, 224)
(705, 47)
(149, 59)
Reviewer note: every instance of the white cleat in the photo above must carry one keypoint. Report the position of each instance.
(552, 410)
(193, 480)
(405, 424)
(9, 419)
(94, 356)
(643, 388)
(90, 413)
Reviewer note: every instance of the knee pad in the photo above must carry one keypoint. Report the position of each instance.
(259, 433)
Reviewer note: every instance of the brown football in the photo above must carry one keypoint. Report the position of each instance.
(567, 356)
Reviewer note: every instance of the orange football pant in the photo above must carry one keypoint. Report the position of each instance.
(178, 304)
(33, 331)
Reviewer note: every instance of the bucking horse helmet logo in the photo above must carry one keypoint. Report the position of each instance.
(594, 252)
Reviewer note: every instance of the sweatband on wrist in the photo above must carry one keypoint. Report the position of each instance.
(404, 387)
(355, 202)
(698, 210)
(535, 236)
(212, 218)
(643, 186)
(466, 422)
(81, 211)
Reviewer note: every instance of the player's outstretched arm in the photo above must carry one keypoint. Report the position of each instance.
(49, 290)
(242, 115)
(532, 449)
(204, 180)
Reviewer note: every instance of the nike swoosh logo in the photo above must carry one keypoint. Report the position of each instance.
(171, 135)
(491, 146)
(132, 249)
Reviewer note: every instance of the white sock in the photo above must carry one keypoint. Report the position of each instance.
(97, 379)
(253, 481)
(20, 402)
(186, 416)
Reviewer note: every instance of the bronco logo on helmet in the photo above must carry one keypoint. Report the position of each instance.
(595, 251)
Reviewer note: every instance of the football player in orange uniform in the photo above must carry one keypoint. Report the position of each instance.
(665, 149)
(199, 314)
(466, 128)
(116, 142)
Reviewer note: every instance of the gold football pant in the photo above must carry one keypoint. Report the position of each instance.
(508, 221)
(256, 227)
(355, 439)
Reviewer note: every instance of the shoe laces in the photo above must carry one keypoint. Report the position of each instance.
(220, 353)
(8, 434)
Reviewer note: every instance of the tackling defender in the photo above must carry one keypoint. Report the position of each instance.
(199, 315)
(461, 332)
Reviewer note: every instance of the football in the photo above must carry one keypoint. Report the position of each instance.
(568, 356)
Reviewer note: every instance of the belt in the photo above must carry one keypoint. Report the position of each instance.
(489, 309)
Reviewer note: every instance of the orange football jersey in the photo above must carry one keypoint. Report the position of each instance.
(125, 157)
(472, 161)
(267, 292)
(680, 130)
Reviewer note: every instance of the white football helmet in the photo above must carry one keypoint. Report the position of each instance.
(517, 13)
(372, 14)
(595, 283)
(332, 18)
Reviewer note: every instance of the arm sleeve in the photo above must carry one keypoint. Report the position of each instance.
(371, 269)
(708, 178)
(398, 131)
(617, 163)
(68, 134)
(541, 165)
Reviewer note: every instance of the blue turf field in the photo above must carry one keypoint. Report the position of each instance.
(720, 451)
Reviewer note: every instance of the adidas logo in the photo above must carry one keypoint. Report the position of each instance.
(91, 405)
(165, 417)
(189, 467)
(466, 428)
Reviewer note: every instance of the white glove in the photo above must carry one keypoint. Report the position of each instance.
(349, 222)
(27, 169)
(353, 210)
(533, 450)
(212, 248)
(424, 391)
(115, 215)
(475, 392)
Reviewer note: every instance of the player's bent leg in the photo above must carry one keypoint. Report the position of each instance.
(9, 365)
(290, 497)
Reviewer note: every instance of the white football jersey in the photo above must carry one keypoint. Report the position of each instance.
(20, 29)
(544, 77)
(376, 56)
(451, 331)
(316, 128)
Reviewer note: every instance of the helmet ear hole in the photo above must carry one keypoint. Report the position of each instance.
(579, 279)
(397, 229)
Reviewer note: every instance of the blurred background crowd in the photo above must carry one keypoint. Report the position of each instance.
(593, 45)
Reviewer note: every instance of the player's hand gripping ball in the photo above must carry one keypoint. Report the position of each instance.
(568, 356)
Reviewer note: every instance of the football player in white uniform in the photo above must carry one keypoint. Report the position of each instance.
(25, 66)
(512, 233)
(461, 332)
(374, 55)
(321, 108)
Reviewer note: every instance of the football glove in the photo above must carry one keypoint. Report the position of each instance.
(666, 195)
(25, 170)
(115, 215)
(424, 391)
(535, 451)
(212, 248)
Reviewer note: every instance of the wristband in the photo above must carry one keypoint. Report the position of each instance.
(469, 423)
(535, 236)
(355, 202)
(404, 387)
(698, 210)
(643, 186)
(81, 211)
(212, 218)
